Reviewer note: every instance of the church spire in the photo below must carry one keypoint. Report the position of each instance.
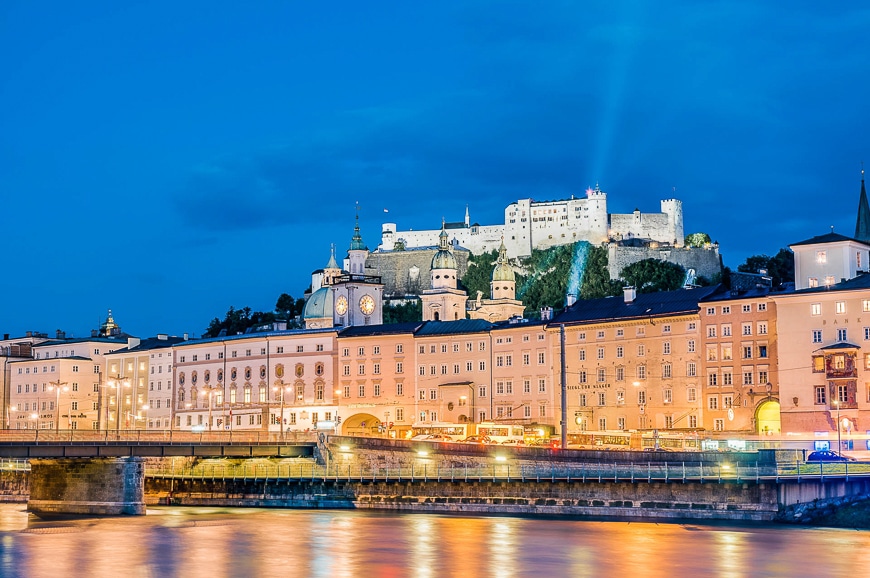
(862, 226)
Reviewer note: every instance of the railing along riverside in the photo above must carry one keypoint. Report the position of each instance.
(144, 437)
(600, 472)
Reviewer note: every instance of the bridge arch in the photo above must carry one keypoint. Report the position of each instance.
(767, 418)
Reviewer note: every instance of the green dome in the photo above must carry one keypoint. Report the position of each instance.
(503, 271)
(444, 258)
(319, 304)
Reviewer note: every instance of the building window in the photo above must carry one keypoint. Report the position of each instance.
(602, 377)
(620, 373)
(690, 346)
(817, 335)
(691, 394)
(666, 371)
(602, 423)
(841, 334)
(727, 378)
(581, 376)
(641, 372)
(620, 352)
(726, 331)
(719, 424)
(747, 329)
(666, 348)
(711, 331)
(747, 378)
(841, 307)
(821, 257)
(713, 379)
(816, 309)
(691, 369)
(711, 311)
(641, 397)
(600, 353)
(666, 328)
(713, 402)
(747, 352)
(668, 395)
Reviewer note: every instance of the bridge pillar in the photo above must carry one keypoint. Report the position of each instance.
(87, 487)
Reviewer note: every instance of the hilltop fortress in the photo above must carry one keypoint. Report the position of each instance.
(530, 224)
(402, 258)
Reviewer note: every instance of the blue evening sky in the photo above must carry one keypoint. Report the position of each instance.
(170, 159)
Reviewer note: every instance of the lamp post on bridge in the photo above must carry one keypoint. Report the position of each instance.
(57, 386)
(208, 390)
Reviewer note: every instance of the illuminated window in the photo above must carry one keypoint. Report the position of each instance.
(821, 257)
(816, 309)
(841, 307)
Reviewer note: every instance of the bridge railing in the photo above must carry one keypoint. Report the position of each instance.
(131, 436)
(588, 472)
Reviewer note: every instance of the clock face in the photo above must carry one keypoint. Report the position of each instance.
(367, 304)
(341, 305)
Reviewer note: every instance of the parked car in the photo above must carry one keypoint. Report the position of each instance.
(477, 440)
(438, 438)
(828, 456)
(513, 442)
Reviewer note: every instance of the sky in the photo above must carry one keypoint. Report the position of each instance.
(169, 160)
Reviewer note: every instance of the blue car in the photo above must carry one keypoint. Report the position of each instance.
(828, 456)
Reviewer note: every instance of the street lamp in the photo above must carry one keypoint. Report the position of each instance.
(338, 393)
(281, 390)
(839, 443)
(208, 390)
(57, 386)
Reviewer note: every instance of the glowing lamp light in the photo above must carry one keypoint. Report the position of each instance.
(422, 453)
(344, 448)
(500, 459)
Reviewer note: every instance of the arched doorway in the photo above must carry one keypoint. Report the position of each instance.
(767, 418)
(360, 424)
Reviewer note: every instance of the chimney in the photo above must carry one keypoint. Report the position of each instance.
(5, 336)
(162, 336)
(630, 294)
(546, 313)
(61, 334)
(133, 342)
(185, 336)
(28, 334)
(570, 299)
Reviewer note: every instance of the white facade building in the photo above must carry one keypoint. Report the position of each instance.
(530, 224)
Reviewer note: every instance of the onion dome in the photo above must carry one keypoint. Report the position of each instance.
(444, 258)
(503, 271)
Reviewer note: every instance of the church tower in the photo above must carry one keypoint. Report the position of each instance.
(444, 301)
(503, 288)
(862, 225)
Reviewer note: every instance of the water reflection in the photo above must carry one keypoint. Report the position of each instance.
(211, 542)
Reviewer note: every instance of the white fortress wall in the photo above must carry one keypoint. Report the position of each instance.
(531, 225)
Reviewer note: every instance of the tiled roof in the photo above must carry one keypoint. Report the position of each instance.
(452, 327)
(827, 238)
(387, 329)
(645, 305)
(841, 345)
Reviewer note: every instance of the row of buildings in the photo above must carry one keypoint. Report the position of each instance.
(698, 361)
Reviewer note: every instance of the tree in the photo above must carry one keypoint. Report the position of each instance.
(478, 275)
(404, 312)
(651, 275)
(596, 281)
(697, 239)
(780, 267)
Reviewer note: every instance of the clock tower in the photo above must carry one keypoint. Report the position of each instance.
(342, 298)
(358, 297)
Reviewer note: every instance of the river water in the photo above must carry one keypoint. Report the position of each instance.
(211, 542)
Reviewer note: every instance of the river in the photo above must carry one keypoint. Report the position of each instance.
(192, 542)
